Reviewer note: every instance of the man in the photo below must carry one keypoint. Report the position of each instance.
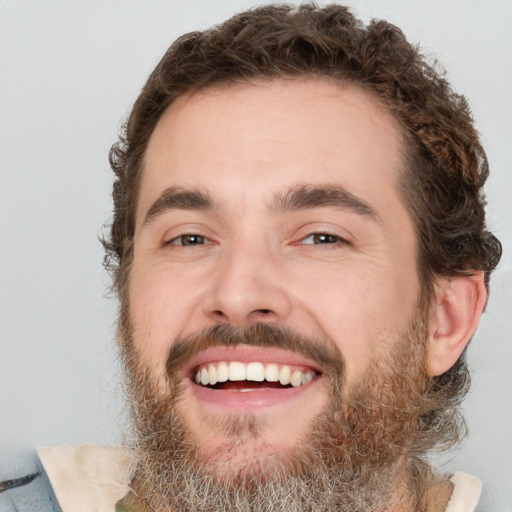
(300, 253)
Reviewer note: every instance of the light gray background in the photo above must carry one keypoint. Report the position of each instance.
(69, 72)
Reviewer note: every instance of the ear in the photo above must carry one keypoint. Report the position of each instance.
(459, 303)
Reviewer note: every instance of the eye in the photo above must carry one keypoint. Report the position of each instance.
(188, 240)
(323, 239)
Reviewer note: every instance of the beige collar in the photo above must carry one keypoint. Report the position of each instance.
(466, 493)
(92, 478)
(88, 478)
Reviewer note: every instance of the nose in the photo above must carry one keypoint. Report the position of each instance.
(247, 289)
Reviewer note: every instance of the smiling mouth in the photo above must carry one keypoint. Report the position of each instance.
(241, 376)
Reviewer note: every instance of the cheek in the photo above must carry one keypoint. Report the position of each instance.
(159, 310)
(359, 307)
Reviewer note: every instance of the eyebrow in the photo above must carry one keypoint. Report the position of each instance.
(302, 197)
(174, 198)
(305, 197)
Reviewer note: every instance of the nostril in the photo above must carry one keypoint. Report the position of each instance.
(220, 314)
(263, 311)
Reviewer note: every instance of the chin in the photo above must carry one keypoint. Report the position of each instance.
(254, 462)
(244, 447)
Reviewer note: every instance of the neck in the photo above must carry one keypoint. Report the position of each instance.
(425, 492)
(437, 496)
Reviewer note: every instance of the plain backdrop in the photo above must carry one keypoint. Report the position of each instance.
(69, 72)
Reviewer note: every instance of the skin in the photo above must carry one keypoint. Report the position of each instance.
(244, 145)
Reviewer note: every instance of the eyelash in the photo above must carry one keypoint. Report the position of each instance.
(338, 239)
(184, 235)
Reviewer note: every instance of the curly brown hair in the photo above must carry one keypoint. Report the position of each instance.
(446, 164)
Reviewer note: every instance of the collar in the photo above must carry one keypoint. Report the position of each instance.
(88, 478)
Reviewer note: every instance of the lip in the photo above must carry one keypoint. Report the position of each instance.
(245, 401)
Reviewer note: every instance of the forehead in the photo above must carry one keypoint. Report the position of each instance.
(244, 140)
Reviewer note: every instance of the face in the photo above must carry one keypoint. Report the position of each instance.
(269, 204)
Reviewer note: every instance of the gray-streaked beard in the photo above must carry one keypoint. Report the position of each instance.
(362, 451)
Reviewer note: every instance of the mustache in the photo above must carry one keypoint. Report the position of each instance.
(323, 352)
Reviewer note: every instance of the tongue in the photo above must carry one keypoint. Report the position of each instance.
(247, 384)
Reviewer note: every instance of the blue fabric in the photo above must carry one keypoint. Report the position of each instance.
(34, 496)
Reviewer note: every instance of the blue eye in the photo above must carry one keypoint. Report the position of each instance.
(188, 240)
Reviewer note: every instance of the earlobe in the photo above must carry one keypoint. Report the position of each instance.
(458, 305)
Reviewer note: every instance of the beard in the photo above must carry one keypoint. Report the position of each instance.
(364, 449)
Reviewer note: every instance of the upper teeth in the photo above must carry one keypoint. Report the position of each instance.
(236, 371)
